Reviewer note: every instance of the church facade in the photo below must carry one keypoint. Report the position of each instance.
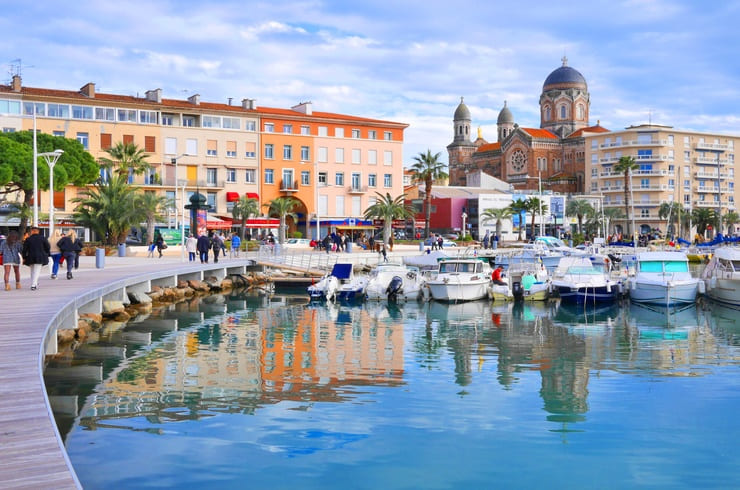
(553, 153)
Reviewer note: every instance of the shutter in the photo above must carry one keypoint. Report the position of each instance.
(128, 138)
(106, 141)
(150, 144)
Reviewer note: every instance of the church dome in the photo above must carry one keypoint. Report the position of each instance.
(565, 75)
(505, 116)
(462, 111)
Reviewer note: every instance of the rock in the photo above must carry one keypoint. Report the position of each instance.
(112, 307)
(65, 335)
(182, 284)
(121, 316)
(227, 283)
(138, 297)
(198, 285)
(95, 319)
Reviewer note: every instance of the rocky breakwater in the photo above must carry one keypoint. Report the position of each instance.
(116, 314)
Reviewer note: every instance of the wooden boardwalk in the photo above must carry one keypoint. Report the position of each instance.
(31, 454)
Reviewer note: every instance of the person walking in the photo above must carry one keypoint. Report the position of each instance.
(216, 246)
(384, 253)
(236, 243)
(203, 246)
(56, 254)
(160, 244)
(10, 249)
(191, 245)
(67, 247)
(222, 243)
(79, 245)
(486, 240)
(35, 252)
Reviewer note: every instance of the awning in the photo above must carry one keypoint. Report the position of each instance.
(356, 227)
(261, 223)
(232, 196)
(253, 195)
(215, 223)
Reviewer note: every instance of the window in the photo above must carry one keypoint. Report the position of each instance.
(356, 155)
(231, 122)
(686, 184)
(168, 120)
(58, 133)
(305, 177)
(644, 213)
(388, 136)
(211, 174)
(106, 141)
(231, 175)
(288, 179)
(82, 112)
(191, 146)
(231, 149)
(644, 183)
(387, 180)
(211, 148)
(372, 157)
(356, 205)
(150, 144)
(356, 179)
(305, 153)
(55, 110)
(251, 150)
(670, 140)
(387, 157)
(105, 114)
(339, 155)
(269, 128)
(126, 115)
(581, 112)
(211, 122)
(687, 155)
(250, 176)
(269, 176)
(355, 133)
(563, 112)
(188, 121)
(211, 200)
(322, 179)
(372, 134)
(323, 156)
(594, 158)
(339, 179)
(84, 139)
(288, 128)
(323, 131)
(269, 151)
(340, 205)
(287, 152)
(548, 113)
(372, 180)
(339, 132)
(147, 117)
(28, 108)
(594, 144)
(250, 126)
(306, 130)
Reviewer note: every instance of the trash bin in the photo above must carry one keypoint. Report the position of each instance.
(348, 246)
(421, 246)
(122, 250)
(99, 258)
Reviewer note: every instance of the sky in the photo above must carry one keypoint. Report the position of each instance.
(661, 61)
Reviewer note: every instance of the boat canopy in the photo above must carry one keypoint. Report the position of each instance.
(342, 271)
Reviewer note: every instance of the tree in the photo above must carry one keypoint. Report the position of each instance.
(243, 209)
(387, 208)
(702, 218)
(626, 165)
(579, 208)
(427, 168)
(282, 207)
(110, 208)
(76, 166)
(730, 220)
(125, 158)
(518, 207)
(612, 214)
(534, 205)
(670, 211)
(151, 206)
(497, 215)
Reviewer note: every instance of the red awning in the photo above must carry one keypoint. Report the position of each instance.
(253, 195)
(263, 223)
(218, 224)
(232, 196)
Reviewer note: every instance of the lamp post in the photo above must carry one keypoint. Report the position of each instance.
(316, 200)
(182, 216)
(35, 172)
(464, 232)
(542, 217)
(51, 158)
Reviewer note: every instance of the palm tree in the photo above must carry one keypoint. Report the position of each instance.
(387, 208)
(282, 207)
(518, 207)
(534, 206)
(579, 208)
(126, 157)
(151, 206)
(497, 215)
(243, 209)
(731, 219)
(626, 165)
(670, 211)
(109, 208)
(612, 214)
(702, 218)
(427, 168)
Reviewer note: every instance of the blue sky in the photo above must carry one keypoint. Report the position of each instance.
(671, 62)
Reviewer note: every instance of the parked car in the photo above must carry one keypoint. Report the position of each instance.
(399, 235)
(297, 243)
(445, 242)
(451, 236)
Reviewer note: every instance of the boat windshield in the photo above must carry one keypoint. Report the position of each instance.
(582, 269)
(667, 266)
(459, 267)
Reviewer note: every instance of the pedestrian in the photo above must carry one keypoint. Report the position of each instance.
(216, 246)
(56, 254)
(203, 246)
(327, 243)
(191, 245)
(160, 244)
(440, 242)
(486, 240)
(384, 253)
(35, 252)
(371, 242)
(236, 244)
(10, 249)
(390, 243)
(67, 247)
(221, 242)
(78, 246)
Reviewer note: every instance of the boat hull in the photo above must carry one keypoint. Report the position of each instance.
(664, 293)
(725, 291)
(458, 291)
(587, 294)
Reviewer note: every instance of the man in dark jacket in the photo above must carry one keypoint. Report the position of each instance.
(204, 245)
(35, 253)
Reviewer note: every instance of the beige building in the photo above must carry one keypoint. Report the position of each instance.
(691, 168)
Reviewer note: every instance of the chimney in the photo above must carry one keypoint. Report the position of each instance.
(248, 104)
(88, 90)
(194, 99)
(230, 99)
(154, 95)
(16, 83)
(304, 107)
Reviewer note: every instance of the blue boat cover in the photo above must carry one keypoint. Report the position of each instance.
(342, 271)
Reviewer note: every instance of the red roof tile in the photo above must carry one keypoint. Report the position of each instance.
(593, 129)
(488, 147)
(539, 133)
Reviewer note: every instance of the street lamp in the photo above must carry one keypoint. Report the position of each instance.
(464, 217)
(182, 217)
(51, 158)
(316, 197)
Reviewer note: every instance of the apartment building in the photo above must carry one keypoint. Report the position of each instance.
(221, 150)
(692, 168)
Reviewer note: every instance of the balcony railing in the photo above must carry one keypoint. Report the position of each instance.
(357, 189)
(710, 160)
(169, 182)
(619, 144)
(637, 158)
(288, 185)
(700, 174)
(711, 146)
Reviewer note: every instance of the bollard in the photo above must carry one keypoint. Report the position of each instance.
(122, 250)
(348, 247)
(421, 246)
(99, 258)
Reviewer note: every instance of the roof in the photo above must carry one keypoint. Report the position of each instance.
(591, 129)
(539, 133)
(505, 116)
(462, 111)
(489, 147)
(564, 75)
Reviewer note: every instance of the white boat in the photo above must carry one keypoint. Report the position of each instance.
(721, 276)
(532, 253)
(524, 280)
(394, 282)
(460, 279)
(340, 284)
(579, 280)
(663, 278)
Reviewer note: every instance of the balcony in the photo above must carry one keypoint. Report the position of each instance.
(517, 178)
(357, 189)
(710, 161)
(144, 181)
(288, 186)
(707, 190)
(710, 204)
(637, 158)
(621, 144)
(710, 146)
(700, 174)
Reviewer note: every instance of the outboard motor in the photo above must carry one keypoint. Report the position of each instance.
(516, 290)
(395, 287)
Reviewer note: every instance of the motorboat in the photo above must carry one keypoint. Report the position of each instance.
(341, 284)
(663, 278)
(721, 276)
(460, 279)
(395, 282)
(532, 253)
(523, 281)
(579, 280)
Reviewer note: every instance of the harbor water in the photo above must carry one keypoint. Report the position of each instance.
(240, 391)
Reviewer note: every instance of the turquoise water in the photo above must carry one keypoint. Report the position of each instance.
(251, 392)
